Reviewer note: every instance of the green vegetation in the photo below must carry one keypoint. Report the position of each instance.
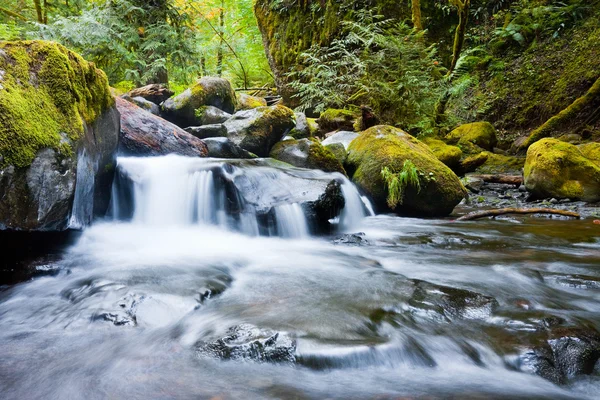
(396, 184)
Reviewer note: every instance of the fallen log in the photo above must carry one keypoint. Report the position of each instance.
(516, 180)
(504, 211)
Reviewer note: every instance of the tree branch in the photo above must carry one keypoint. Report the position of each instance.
(504, 211)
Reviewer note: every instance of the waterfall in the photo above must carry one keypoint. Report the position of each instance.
(83, 202)
(255, 197)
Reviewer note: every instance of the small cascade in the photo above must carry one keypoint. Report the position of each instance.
(255, 197)
(83, 203)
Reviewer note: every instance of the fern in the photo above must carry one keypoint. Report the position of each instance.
(397, 184)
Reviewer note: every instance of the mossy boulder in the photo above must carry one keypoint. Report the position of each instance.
(481, 134)
(339, 151)
(591, 151)
(388, 147)
(210, 115)
(258, 130)
(307, 153)
(247, 102)
(302, 129)
(449, 155)
(333, 119)
(562, 171)
(59, 132)
(182, 110)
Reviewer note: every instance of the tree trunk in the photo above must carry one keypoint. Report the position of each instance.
(416, 15)
(459, 35)
(221, 34)
(38, 11)
(46, 12)
(566, 115)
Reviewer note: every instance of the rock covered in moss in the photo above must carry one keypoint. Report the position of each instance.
(247, 102)
(481, 134)
(449, 155)
(591, 151)
(145, 134)
(258, 130)
(560, 170)
(333, 119)
(156, 93)
(58, 136)
(388, 147)
(182, 110)
(307, 153)
(302, 129)
(339, 151)
(209, 115)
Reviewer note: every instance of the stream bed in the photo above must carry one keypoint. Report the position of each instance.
(150, 308)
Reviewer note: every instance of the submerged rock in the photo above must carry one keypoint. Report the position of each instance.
(155, 93)
(58, 138)
(258, 130)
(388, 147)
(145, 134)
(307, 153)
(560, 170)
(247, 342)
(186, 109)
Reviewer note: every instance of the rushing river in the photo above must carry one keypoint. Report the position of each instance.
(423, 309)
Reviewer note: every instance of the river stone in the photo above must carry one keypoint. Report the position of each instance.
(143, 103)
(342, 137)
(209, 115)
(186, 109)
(222, 147)
(306, 153)
(207, 131)
(58, 138)
(302, 129)
(155, 93)
(388, 147)
(258, 130)
(145, 134)
(247, 342)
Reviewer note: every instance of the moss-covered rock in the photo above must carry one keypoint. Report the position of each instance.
(58, 135)
(591, 151)
(307, 153)
(481, 134)
(333, 119)
(388, 147)
(449, 155)
(247, 102)
(339, 151)
(302, 129)
(560, 170)
(258, 130)
(183, 110)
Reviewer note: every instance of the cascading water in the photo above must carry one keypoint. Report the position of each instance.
(253, 197)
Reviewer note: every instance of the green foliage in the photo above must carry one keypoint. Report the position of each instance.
(379, 63)
(397, 184)
(10, 31)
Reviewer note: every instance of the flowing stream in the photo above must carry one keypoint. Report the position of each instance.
(429, 309)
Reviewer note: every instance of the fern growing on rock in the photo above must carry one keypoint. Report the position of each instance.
(397, 183)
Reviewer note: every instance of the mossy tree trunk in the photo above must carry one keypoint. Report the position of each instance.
(566, 115)
(416, 15)
(38, 10)
(459, 36)
(221, 34)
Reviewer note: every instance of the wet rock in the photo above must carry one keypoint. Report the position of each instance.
(125, 311)
(343, 137)
(259, 129)
(209, 115)
(352, 239)
(187, 108)
(144, 134)
(143, 103)
(155, 93)
(302, 129)
(247, 342)
(222, 147)
(566, 354)
(574, 281)
(327, 206)
(307, 153)
(207, 131)
(474, 185)
(451, 303)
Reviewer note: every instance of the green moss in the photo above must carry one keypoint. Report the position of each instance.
(501, 164)
(313, 127)
(322, 158)
(386, 146)
(270, 118)
(560, 170)
(591, 151)
(339, 151)
(47, 95)
(471, 163)
(123, 87)
(449, 155)
(481, 134)
(333, 119)
(246, 102)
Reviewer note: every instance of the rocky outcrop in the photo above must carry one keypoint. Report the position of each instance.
(307, 153)
(439, 189)
(145, 134)
(258, 130)
(186, 109)
(555, 169)
(58, 137)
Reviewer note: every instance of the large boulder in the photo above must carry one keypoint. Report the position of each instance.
(382, 147)
(480, 134)
(155, 93)
(258, 130)
(183, 109)
(59, 132)
(449, 155)
(560, 170)
(307, 153)
(145, 134)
